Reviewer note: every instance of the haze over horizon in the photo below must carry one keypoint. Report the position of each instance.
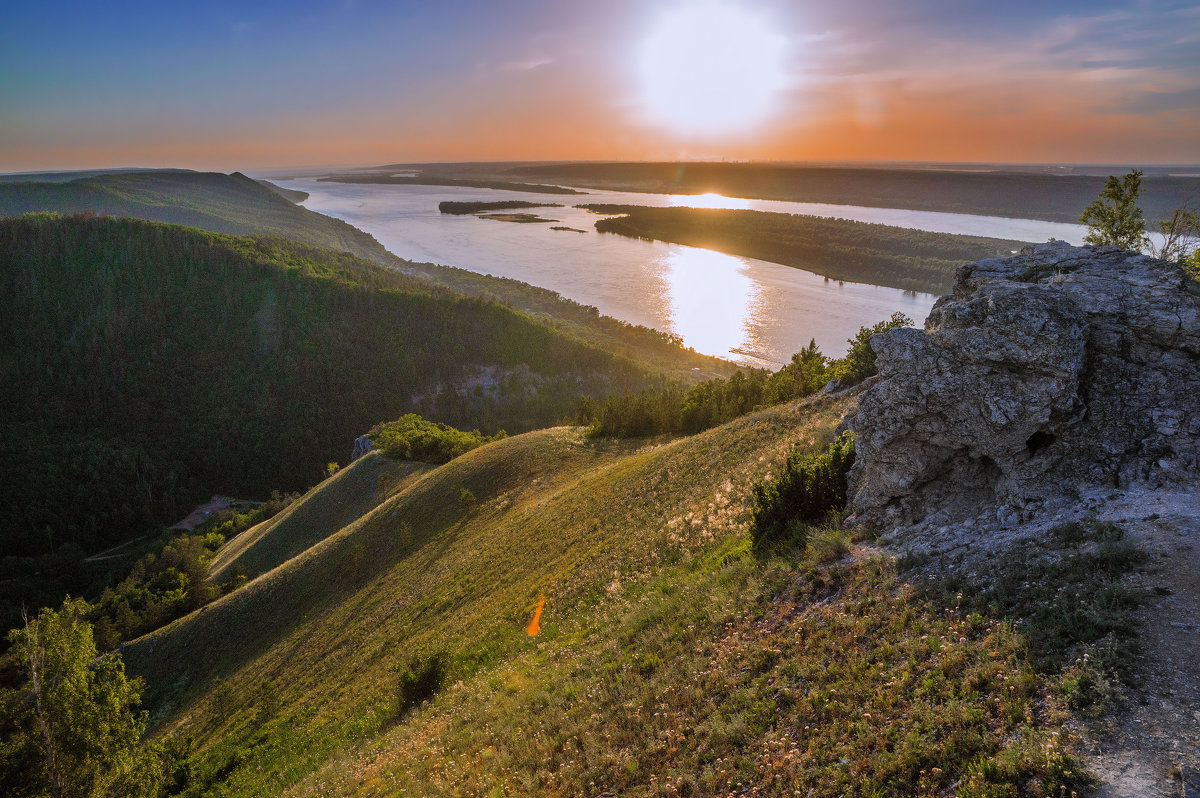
(272, 85)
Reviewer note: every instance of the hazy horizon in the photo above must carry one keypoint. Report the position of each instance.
(275, 86)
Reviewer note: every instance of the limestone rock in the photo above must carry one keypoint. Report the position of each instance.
(1057, 368)
(362, 445)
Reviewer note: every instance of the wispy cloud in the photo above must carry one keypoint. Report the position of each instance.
(527, 64)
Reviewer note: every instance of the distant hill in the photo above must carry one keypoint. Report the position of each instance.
(1057, 198)
(210, 201)
(147, 366)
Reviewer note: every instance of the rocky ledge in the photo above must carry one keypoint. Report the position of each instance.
(1044, 376)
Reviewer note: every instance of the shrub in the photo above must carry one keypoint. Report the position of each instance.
(807, 490)
(420, 680)
(411, 437)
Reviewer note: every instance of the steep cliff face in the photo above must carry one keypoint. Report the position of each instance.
(1044, 374)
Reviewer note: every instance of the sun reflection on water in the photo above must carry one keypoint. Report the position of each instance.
(709, 200)
(712, 300)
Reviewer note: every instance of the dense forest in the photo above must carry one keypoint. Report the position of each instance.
(1053, 197)
(860, 252)
(148, 365)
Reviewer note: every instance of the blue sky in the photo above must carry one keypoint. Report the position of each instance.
(250, 85)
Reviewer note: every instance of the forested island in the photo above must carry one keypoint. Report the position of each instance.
(465, 208)
(911, 260)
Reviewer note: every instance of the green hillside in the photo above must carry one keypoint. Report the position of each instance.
(147, 366)
(668, 661)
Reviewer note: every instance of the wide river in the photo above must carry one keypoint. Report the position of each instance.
(743, 309)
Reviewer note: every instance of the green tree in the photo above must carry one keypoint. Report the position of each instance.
(74, 723)
(1115, 218)
(859, 362)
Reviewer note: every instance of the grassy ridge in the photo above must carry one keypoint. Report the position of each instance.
(669, 661)
(326, 509)
(1056, 198)
(837, 248)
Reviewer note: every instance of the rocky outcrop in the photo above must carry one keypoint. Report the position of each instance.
(1058, 368)
(362, 445)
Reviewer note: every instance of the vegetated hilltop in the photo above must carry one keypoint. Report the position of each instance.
(147, 366)
(242, 206)
(208, 200)
(1055, 198)
(1054, 390)
(879, 254)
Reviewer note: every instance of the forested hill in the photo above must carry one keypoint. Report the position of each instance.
(208, 200)
(148, 365)
(239, 205)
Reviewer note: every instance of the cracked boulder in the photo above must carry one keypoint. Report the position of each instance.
(1059, 368)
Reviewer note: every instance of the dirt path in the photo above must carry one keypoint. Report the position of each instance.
(1153, 747)
(203, 512)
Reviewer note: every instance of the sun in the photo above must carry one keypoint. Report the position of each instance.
(711, 67)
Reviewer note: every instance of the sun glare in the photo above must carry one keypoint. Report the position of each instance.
(711, 67)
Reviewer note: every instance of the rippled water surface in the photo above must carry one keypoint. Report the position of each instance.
(740, 308)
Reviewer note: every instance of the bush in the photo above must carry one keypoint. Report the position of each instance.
(411, 437)
(420, 680)
(807, 490)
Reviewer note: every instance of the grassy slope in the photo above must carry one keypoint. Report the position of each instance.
(666, 652)
(878, 254)
(1058, 198)
(334, 504)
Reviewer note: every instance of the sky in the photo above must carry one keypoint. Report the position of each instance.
(268, 85)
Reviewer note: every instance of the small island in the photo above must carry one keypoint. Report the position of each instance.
(568, 229)
(519, 218)
(465, 208)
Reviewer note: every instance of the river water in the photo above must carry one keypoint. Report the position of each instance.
(742, 309)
